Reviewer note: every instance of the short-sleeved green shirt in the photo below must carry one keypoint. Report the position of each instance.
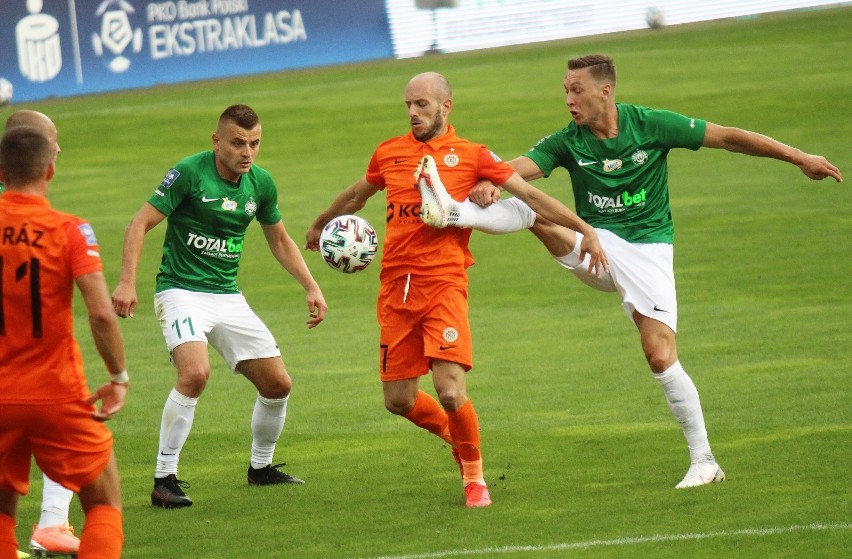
(207, 219)
(621, 184)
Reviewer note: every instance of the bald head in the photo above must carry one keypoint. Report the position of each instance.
(33, 119)
(38, 121)
(434, 83)
(429, 99)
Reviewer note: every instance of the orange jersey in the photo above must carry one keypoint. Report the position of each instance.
(42, 251)
(411, 246)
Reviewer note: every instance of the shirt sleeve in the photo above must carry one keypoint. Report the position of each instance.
(493, 168)
(374, 173)
(547, 153)
(171, 191)
(675, 130)
(269, 213)
(83, 250)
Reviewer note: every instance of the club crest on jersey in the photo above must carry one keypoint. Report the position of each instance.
(610, 165)
(451, 160)
(251, 207)
(640, 157)
(229, 205)
(170, 178)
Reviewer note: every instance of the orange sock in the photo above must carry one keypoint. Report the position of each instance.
(8, 541)
(103, 534)
(464, 427)
(428, 414)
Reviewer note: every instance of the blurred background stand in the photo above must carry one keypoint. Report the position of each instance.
(433, 6)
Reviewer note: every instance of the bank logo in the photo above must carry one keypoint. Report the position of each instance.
(37, 40)
(116, 34)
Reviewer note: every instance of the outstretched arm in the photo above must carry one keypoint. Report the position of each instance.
(352, 199)
(486, 193)
(553, 210)
(737, 140)
(286, 251)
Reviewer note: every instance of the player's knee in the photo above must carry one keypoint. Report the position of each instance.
(452, 398)
(660, 358)
(192, 380)
(279, 388)
(398, 405)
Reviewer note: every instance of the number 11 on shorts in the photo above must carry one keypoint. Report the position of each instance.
(188, 322)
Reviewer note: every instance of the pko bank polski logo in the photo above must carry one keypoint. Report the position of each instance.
(37, 41)
(116, 34)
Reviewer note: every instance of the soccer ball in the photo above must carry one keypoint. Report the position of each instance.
(348, 243)
(654, 18)
(6, 91)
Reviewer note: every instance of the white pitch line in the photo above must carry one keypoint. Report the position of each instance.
(619, 541)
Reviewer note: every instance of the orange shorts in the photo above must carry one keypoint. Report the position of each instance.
(428, 322)
(68, 445)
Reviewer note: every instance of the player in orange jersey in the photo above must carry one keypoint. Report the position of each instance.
(48, 411)
(422, 306)
(52, 534)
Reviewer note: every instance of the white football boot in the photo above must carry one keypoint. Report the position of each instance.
(437, 207)
(701, 473)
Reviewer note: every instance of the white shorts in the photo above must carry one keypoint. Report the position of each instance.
(643, 273)
(225, 321)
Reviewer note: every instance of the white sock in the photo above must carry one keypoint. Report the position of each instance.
(683, 400)
(176, 423)
(572, 259)
(580, 268)
(55, 502)
(267, 422)
(505, 216)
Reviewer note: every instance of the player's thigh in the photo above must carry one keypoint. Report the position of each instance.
(446, 328)
(184, 316)
(69, 446)
(105, 489)
(268, 375)
(239, 334)
(15, 449)
(401, 352)
(644, 275)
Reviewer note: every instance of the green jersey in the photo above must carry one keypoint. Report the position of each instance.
(621, 184)
(207, 221)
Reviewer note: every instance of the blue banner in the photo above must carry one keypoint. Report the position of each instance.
(70, 47)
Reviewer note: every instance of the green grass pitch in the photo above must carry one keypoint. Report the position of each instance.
(580, 450)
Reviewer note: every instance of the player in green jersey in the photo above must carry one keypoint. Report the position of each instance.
(615, 154)
(208, 200)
